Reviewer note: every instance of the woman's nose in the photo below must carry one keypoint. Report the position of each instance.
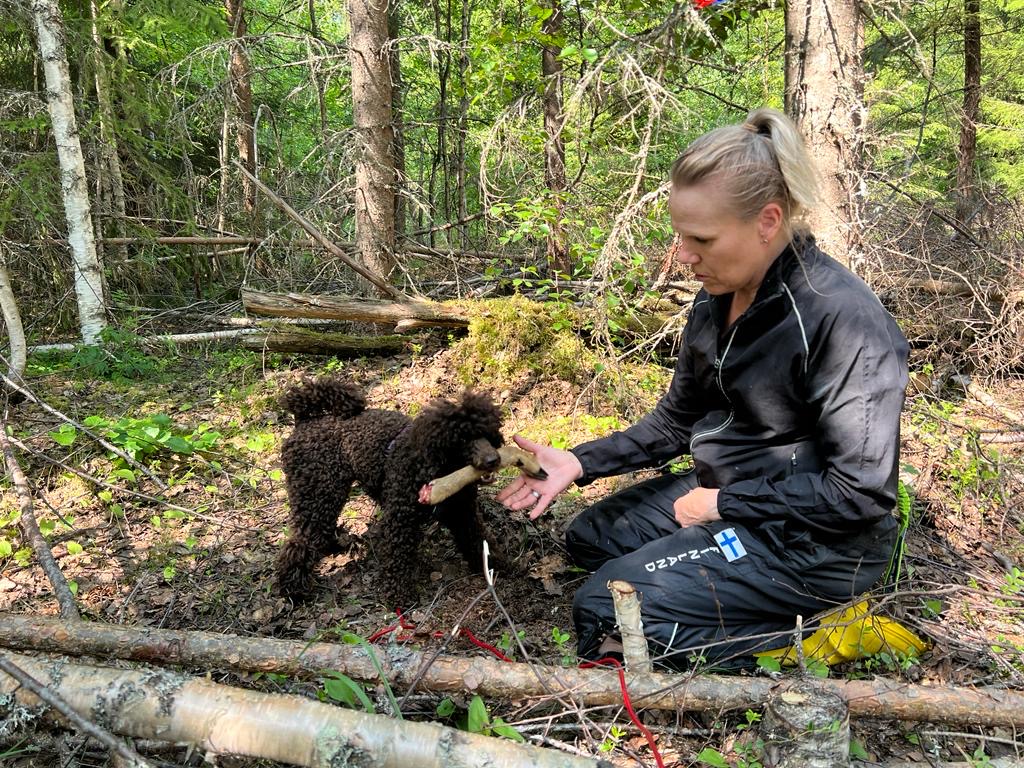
(681, 254)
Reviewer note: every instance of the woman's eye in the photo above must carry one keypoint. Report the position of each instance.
(700, 240)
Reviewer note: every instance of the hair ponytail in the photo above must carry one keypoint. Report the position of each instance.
(758, 161)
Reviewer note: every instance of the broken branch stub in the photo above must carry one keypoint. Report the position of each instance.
(442, 488)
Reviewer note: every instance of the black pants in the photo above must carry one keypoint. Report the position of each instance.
(715, 592)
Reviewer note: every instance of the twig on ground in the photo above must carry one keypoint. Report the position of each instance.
(30, 530)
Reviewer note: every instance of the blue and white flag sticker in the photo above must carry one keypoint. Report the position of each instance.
(730, 544)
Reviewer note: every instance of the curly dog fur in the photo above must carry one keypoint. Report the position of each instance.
(337, 441)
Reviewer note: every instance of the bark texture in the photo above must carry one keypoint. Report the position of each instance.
(347, 308)
(892, 699)
(375, 135)
(965, 191)
(824, 95)
(554, 146)
(148, 704)
(88, 271)
(806, 726)
(241, 97)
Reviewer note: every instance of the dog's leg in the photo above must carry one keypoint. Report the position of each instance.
(461, 516)
(314, 515)
(398, 537)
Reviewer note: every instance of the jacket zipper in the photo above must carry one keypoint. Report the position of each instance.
(719, 364)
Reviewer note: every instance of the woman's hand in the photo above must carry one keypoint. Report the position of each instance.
(698, 506)
(563, 469)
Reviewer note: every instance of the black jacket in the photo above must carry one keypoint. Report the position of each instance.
(793, 412)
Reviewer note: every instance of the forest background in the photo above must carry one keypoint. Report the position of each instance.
(509, 159)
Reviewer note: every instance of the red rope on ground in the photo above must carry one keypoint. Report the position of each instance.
(481, 644)
(606, 661)
(628, 703)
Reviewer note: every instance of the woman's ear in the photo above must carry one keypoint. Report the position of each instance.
(769, 221)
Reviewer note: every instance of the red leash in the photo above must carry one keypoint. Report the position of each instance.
(607, 661)
(628, 703)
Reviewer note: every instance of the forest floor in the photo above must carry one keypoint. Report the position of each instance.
(139, 563)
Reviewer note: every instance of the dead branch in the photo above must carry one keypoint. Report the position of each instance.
(350, 308)
(891, 699)
(149, 704)
(12, 320)
(319, 236)
(30, 530)
(54, 701)
(440, 489)
(631, 628)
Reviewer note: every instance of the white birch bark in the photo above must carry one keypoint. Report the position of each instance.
(12, 320)
(87, 269)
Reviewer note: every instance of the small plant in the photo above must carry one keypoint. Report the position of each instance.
(479, 720)
(611, 741)
(344, 690)
(561, 641)
(142, 439)
(508, 644)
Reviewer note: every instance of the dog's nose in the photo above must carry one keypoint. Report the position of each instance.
(485, 455)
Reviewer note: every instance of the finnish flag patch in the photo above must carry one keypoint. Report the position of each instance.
(730, 544)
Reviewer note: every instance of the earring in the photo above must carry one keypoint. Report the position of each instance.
(764, 241)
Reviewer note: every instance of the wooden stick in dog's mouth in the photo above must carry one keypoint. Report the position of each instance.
(440, 489)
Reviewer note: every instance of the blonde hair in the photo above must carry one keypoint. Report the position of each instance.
(761, 160)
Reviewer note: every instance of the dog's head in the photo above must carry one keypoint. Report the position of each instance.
(463, 432)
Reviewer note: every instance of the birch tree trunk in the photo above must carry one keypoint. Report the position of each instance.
(375, 135)
(972, 102)
(88, 271)
(824, 95)
(153, 704)
(16, 357)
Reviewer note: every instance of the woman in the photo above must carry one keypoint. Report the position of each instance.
(787, 394)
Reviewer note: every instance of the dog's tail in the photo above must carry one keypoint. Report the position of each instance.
(325, 396)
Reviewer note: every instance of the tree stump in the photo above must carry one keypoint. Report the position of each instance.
(806, 726)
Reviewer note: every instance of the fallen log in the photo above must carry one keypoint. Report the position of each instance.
(891, 699)
(321, 343)
(351, 308)
(151, 704)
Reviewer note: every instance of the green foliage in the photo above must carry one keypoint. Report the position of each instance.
(479, 720)
(119, 358)
(143, 439)
(561, 641)
(344, 690)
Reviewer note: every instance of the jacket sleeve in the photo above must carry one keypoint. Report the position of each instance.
(856, 381)
(661, 435)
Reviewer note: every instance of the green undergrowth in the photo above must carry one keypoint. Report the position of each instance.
(514, 340)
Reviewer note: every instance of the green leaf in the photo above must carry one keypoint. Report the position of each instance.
(124, 474)
(47, 526)
(445, 708)
(65, 435)
(501, 728)
(857, 751)
(5, 547)
(346, 690)
(178, 445)
(479, 718)
(73, 586)
(769, 664)
(711, 756)
(74, 548)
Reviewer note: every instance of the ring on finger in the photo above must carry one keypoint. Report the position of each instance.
(535, 493)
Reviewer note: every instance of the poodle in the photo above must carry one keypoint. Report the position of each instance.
(337, 441)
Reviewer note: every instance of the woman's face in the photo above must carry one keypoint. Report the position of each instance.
(728, 254)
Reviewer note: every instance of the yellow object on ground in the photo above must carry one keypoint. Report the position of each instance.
(852, 633)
